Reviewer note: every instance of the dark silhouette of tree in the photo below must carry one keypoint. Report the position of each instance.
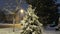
(2, 16)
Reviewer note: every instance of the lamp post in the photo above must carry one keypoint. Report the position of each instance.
(21, 11)
(21, 14)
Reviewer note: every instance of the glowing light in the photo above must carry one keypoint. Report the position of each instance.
(21, 11)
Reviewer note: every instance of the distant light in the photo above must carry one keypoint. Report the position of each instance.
(22, 11)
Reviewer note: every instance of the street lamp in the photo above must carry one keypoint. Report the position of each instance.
(21, 14)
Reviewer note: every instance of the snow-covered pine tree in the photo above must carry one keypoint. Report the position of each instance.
(30, 23)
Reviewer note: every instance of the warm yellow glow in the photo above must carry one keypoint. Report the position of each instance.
(22, 11)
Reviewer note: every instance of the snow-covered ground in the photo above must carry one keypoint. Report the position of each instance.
(10, 31)
(7, 31)
(51, 32)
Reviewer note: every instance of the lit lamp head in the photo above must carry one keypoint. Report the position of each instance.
(21, 11)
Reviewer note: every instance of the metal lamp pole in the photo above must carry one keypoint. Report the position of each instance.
(13, 23)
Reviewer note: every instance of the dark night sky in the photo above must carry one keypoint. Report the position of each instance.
(11, 4)
(3, 2)
(58, 1)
